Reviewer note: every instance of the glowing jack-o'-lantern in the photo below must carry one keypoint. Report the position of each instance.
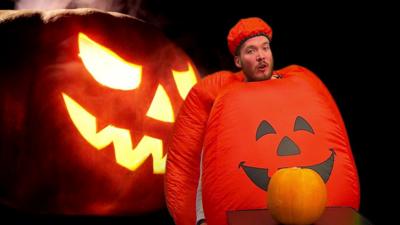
(88, 103)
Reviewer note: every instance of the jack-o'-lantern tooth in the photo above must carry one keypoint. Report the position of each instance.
(126, 156)
(184, 80)
(107, 67)
(161, 108)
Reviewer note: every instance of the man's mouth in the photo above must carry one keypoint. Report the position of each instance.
(262, 67)
(259, 176)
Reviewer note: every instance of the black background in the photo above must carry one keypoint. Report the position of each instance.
(350, 46)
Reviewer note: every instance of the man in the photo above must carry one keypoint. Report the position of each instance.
(249, 43)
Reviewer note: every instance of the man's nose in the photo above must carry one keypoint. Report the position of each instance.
(260, 56)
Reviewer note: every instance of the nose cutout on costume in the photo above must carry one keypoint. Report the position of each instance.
(287, 147)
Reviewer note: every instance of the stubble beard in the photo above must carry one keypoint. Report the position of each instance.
(265, 76)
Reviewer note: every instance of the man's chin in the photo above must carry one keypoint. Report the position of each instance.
(263, 76)
(259, 76)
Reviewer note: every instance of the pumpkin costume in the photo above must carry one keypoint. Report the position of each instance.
(248, 131)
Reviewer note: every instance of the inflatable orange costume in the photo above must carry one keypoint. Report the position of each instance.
(249, 130)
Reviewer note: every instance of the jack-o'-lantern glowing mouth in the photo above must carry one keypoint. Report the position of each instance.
(259, 176)
(125, 155)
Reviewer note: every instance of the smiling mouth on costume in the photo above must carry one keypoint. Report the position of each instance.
(259, 176)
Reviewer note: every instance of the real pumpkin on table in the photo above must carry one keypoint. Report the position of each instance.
(88, 100)
(296, 196)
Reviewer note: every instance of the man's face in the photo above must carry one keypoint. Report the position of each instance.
(255, 58)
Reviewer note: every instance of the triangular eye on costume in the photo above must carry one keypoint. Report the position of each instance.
(263, 129)
(302, 124)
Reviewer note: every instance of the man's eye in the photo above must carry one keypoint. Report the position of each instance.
(250, 51)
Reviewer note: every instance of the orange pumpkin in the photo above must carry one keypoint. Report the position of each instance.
(296, 196)
(87, 103)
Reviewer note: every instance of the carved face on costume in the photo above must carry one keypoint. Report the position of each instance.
(286, 148)
(88, 103)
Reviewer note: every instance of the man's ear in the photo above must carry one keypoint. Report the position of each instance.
(238, 62)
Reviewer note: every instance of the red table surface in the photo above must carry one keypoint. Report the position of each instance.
(331, 216)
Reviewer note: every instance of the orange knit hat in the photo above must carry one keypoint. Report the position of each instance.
(245, 29)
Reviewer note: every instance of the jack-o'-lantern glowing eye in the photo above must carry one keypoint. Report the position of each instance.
(107, 67)
(161, 108)
(184, 80)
